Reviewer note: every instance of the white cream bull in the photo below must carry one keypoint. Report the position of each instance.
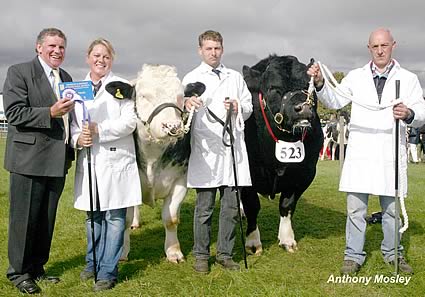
(162, 148)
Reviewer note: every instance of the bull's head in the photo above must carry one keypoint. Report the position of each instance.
(296, 112)
(282, 83)
(158, 95)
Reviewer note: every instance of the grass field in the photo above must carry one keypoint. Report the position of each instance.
(319, 225)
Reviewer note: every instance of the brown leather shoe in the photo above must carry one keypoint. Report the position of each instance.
(350, 267)
(403, 266)
(201, 265)
(228, 264)
(28, 286)
(105, 284)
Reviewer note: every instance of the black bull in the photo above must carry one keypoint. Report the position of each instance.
(273, 78)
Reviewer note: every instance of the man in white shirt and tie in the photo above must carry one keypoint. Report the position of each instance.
(210, 163)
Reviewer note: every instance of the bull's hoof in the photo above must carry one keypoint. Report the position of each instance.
(289, 247)
(134, 226)
(175, 256)
(254, 250)
(176, 260)
(253, 244)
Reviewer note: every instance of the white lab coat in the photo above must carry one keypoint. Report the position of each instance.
(114, 169)
(369, 166)
(210, 162)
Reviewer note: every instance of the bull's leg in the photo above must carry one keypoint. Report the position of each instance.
(286, 233)
(251, 205)
(132, 216)
(135, 221)
(171, 219)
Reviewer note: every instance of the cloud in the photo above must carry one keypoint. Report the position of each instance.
(165, 32)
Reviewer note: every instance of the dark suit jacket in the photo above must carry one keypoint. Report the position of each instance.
(35, 142)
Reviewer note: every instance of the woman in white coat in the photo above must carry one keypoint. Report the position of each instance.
(115, 177)
(369, 164)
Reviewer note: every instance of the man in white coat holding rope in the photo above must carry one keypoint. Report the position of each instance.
(210, 163)
(369, 165)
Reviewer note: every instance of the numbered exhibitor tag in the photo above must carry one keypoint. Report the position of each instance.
(290, 152)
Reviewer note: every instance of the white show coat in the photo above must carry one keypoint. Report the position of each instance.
(369, 164)
(114, 168)
(210, 162)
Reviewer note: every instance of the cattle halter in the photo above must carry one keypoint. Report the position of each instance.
(178, 132)
(278, 117)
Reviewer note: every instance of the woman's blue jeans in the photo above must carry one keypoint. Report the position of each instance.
(109, 227)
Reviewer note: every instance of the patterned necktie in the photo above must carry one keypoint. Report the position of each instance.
(216, 71)
(56, 82)
(96, 87)
(65, 117)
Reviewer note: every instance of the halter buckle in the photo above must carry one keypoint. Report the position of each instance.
(278, 118)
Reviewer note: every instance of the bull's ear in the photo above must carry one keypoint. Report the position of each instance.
(194, 89)
(311, 62)
(120, 90)
(252, 78)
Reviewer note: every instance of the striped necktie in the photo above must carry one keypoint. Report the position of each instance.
(65, 117)
(96, 87)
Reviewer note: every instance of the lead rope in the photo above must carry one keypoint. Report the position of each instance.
(331, 83)
(311, 88)
(186, 127)
(402, 185)
(239, 123)
(405, 216)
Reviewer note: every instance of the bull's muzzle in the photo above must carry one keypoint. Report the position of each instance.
(174, 128)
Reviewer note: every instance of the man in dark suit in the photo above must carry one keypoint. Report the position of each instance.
(37, 157)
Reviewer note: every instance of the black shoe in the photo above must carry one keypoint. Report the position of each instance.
(28, 286)
(229, 264)
(104, 284)
(86, 275)
(403, 266)
(47, 278)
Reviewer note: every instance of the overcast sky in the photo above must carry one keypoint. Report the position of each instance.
(334, 32)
